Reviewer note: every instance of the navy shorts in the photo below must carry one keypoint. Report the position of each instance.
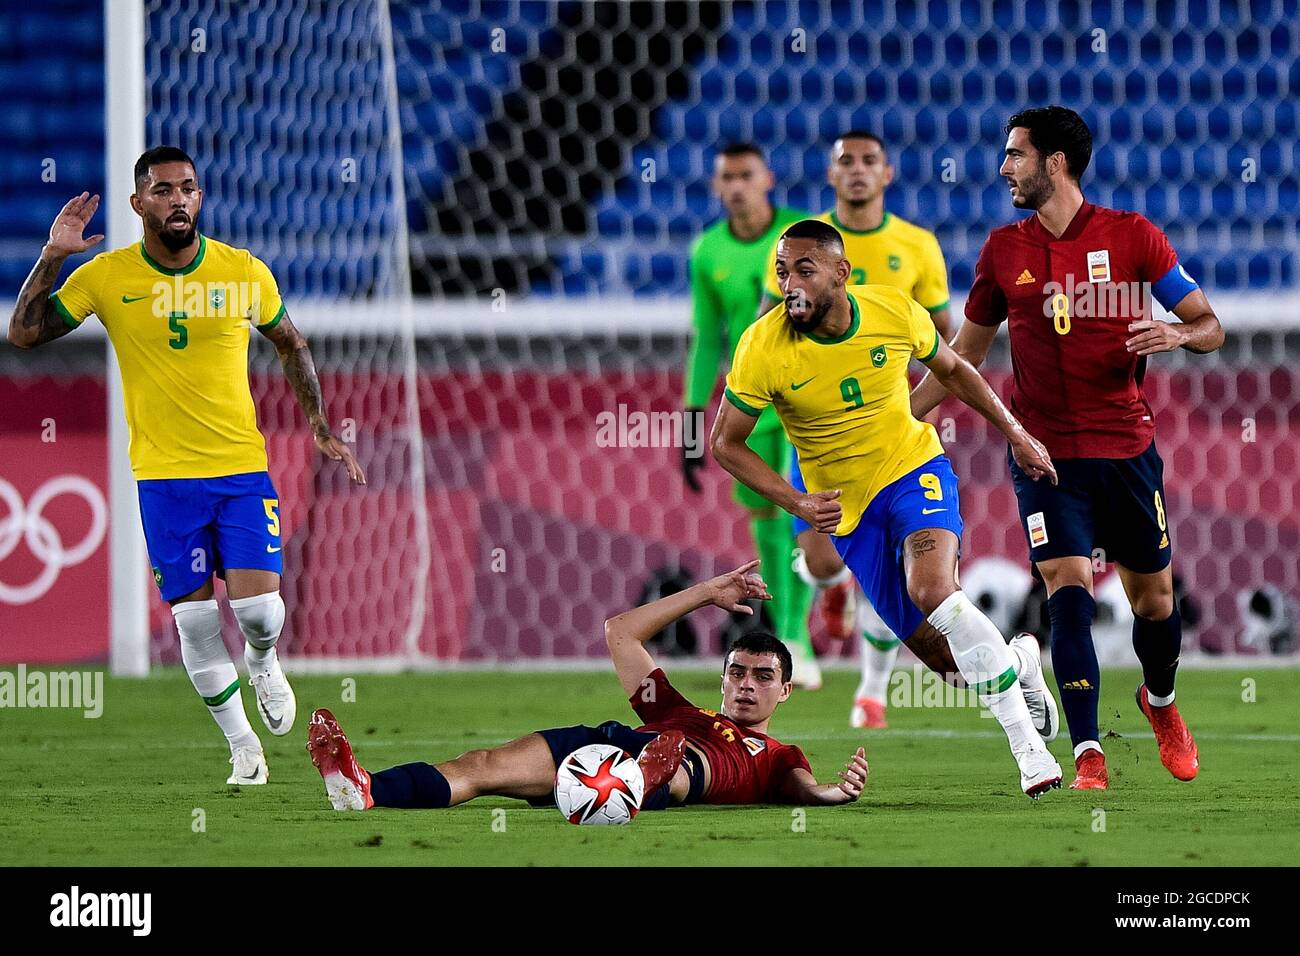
(1113, 504)
(565, 740)
(194, 527)
(925, 497)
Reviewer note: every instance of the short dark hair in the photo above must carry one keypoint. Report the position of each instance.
(1057, 129)
(864, 134)
(158, 155)
(822, 233)
(733, 150)
(760, 641)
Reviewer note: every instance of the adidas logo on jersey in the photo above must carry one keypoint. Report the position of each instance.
(1025, 278)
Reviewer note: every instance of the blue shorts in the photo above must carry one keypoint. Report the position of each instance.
(925, 497)
(1115, 504)
(196, 526)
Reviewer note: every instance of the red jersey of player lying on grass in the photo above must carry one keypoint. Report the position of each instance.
(1076, 387)
(745, 767)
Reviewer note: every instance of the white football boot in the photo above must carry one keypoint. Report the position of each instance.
(1039, 772)
(1038, 696)
(275, 700)
(807, 672)
(248, 767)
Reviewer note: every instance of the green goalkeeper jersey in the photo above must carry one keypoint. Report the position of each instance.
(726, 289)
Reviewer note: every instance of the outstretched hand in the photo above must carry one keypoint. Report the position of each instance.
(1033, 459)
(335, 449)
(729, 591)
(853, 778)
(70, 223)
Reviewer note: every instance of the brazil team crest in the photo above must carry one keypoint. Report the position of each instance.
(217, 298)
(895, 263)
(879, 356)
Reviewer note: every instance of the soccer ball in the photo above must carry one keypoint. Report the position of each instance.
(599, 785)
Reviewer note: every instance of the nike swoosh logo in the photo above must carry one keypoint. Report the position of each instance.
(274, 724)
(795, 388)
(930, 511)
(271, 550)
(128, 300)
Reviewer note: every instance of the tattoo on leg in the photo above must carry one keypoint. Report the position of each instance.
(921, 542)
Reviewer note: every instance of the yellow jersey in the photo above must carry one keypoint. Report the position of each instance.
(844, 402)
(896, 253)
(181, 338)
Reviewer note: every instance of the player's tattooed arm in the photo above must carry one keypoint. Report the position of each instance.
(35, 321)
(1197, 329)
(801, 787)
(300, 370)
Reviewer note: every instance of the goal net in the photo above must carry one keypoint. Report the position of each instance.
(555, 160)
(479, 213)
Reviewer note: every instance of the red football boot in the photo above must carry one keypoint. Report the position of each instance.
(840, 609)
(660, 759)
(346, 784)
(1177, 748)
(868, 714)
(1090, 771)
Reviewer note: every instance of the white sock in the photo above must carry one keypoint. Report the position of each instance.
(985, 661)
(1155, 701)
(211, 671)
(1087, 745)
(821, 584)
(1020, 659)
(877, 665)
(261, 618)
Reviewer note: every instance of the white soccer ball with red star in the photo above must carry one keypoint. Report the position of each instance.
(599, 785)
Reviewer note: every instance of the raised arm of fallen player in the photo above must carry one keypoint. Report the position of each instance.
(627, 633)
(1197, 329)
(295, 359)
(959, 377)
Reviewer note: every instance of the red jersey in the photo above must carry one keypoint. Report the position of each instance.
(745, 766)
(1075, 387)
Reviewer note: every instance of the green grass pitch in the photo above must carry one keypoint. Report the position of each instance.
(127, 788)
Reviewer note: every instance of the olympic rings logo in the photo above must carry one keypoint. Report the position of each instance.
(27, 522)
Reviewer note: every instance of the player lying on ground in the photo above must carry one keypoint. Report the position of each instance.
(1079, 350)
(687, 754)
(177, 307)
(833, 360)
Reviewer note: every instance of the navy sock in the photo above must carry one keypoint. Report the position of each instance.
(1157, 645)
(1074, 659)
(656, 800)
(412, 786)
